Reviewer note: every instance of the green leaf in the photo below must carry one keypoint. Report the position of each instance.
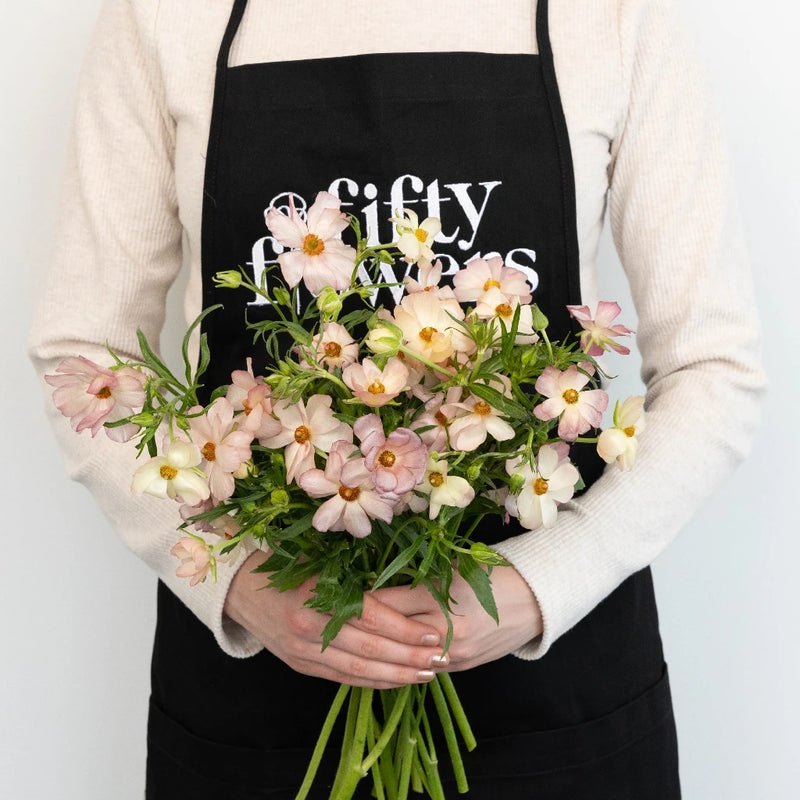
(204, 356)
(153, 361)
(497, 400)
(349, 604)
(399, 562)
(474, 574)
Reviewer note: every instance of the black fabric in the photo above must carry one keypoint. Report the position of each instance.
(480, 141)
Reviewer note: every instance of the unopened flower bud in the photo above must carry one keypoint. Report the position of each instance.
(143, 420)
(281, 296)
(516, 483)
(384, 339)
(246, 469)
(279, 497)
(329, 302)
(538, 320)
(485, 555)
(473, 473)
(228, 279)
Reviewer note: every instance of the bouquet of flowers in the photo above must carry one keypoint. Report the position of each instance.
(372, 448)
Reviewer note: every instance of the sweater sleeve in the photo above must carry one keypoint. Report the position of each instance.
(118, 249)
(680, 241)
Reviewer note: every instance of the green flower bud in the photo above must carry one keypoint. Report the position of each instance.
(473, 473)
(329, 302)
(538, 320)
(384, 338)
(281, 296)
(516, 483)
(228, 279)
(485, 555)
(279, 497)
(143, 420)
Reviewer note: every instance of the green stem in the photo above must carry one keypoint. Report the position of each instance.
(347, 741)
(405, 754)
(389, 728)
(458, 710)
(449, 735)
(322, 741)
(353, 771)
(377, 776)
(587, 440)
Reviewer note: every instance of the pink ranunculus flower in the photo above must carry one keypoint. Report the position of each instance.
(578, 410)
(335, 347)
(429, 326)
(416, 238)
(429, 277)
(619, 443)
(195, 558)
(480, 275)
(493, 304)
(305, 426)
(437, 414)
(353, 500)
(223, 445)
(374, 386)
(250, 394)
(551, 483)
(317, 256)
(91, 395)
(598, 333)
(474, 420)
(444, 489)
(176, 474)
(397, 462)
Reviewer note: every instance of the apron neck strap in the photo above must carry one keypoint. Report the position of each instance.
(230, 33)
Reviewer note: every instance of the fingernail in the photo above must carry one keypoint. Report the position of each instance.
(426, 675)
(430, 639)
(439, 661)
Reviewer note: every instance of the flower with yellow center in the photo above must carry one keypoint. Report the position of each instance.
(544, 487)
(415, 238)
(578, 409)
(374, 386)
(174, 475)
(444, 489)
(316, 254)
(620, 443)
(472, 421)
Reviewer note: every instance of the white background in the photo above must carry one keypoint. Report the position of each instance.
(78, 609)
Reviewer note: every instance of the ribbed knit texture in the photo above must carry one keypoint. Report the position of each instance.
(641, 124)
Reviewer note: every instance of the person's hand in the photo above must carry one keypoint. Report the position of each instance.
(384, 649)
(477, 638)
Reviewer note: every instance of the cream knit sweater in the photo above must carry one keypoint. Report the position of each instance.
(644, 139)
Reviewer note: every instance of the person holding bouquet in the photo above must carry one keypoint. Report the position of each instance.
(517, 125)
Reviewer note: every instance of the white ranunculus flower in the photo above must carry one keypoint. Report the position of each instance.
(174, 475)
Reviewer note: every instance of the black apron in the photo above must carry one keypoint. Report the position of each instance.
(480, 141)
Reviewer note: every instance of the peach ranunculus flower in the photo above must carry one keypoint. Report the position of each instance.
(335, 347)
(480, 275)
(317, 256)
(397, 462)
(474, 420)
(578, 410)
(436, 417)
(551, 483)
(353, 500)
(305, 426)
(195, 558)
(223, 445)
(375, 386)
(429, 327)
(176, 474)
(91, 395)
(598, 332)
(415, 237)
(619, 443)
(444, 489)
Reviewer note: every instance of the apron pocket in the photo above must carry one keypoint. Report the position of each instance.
(628, 754)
